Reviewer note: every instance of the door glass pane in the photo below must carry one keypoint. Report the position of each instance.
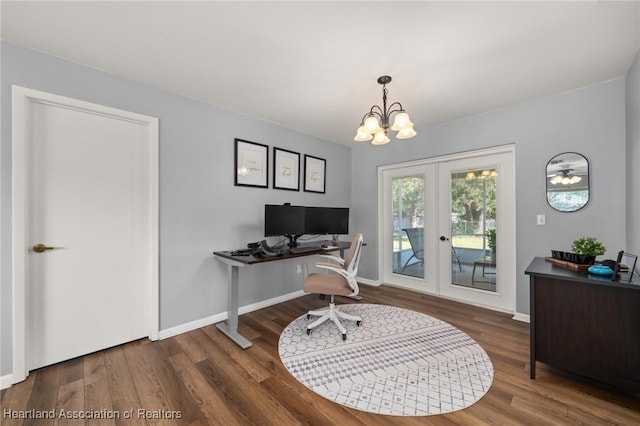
(408, 225)
(473, 229)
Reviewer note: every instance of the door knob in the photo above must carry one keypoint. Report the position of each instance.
(40, 248)
(443, 238)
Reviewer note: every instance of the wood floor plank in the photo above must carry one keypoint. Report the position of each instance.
(158, 355)
(240, 390)
(244, 359)
(97, 394)
(44, 396)
(211, 381)
(149, 392)
(70, 403)
(71, 370)
(190, 346)
(123, 391)
(305, 411)
(211, 404)
(15, 400)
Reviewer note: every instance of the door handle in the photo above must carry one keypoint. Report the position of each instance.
(41, 248)
(443, 238)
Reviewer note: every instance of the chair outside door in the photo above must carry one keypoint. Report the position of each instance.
(416, 239)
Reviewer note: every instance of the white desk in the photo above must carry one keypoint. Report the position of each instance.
(234, 263)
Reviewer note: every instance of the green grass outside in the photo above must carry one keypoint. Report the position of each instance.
(458, 241)
(467, 241)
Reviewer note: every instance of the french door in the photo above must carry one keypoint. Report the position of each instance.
(477, 224)
(409, 235)
(442, 222)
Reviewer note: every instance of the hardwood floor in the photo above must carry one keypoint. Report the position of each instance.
(201, 377)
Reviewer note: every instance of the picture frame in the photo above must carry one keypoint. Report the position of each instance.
(315, 176)
(251, 167)
(286, 169)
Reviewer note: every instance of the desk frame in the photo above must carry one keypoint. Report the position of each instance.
(234, 263)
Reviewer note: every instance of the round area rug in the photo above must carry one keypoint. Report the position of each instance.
(398, 362)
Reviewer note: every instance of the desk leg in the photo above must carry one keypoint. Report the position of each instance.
(230, 328)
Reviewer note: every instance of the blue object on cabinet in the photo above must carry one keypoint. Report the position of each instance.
(600, 270)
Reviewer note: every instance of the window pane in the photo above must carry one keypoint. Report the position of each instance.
(408, 225)
(473, 229)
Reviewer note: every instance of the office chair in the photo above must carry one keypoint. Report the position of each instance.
(342, 284)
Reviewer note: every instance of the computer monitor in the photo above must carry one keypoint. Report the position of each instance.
(284, 220)
(327, 220)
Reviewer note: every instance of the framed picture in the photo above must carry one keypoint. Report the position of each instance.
(251, 164)
(314, 174)
(286, 169)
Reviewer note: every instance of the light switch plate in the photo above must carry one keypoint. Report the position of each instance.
(540, 219)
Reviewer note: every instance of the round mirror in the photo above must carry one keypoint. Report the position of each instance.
(568, 182)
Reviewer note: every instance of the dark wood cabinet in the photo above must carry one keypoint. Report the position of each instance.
(585, 324)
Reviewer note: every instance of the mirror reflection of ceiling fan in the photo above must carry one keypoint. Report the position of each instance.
(564, 177)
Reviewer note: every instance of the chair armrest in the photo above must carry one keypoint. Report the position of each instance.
(333, 258)
(326, 264)
(330, 267)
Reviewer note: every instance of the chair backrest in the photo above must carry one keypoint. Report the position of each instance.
(416, 239)
(352, 258)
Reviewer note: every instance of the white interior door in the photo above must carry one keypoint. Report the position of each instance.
(91, 196)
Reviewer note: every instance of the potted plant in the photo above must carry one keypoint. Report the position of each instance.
(587, 248)
(491, 240)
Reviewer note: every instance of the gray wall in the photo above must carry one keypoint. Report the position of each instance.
(633, 157)
(590, 121)
(200, 208)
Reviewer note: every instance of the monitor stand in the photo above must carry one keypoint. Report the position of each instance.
(293, 240)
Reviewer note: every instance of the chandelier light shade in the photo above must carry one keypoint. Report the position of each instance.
(374, 126)
(565, 178)
(481, 174)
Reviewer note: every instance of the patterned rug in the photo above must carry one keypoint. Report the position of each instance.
(398, 362)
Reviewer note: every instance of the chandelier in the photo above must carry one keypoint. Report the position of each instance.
(375, 124)
(565, 178)
(484, 174)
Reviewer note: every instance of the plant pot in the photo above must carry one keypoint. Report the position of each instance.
(585, 259)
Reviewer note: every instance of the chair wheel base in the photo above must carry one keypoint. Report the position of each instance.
(309, 332)
(358, 323)
(344, 336)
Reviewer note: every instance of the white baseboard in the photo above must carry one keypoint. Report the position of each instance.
(203, 322)
(521, 317)
(6, 381)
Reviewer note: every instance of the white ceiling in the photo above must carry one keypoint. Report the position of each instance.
(313, 66)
